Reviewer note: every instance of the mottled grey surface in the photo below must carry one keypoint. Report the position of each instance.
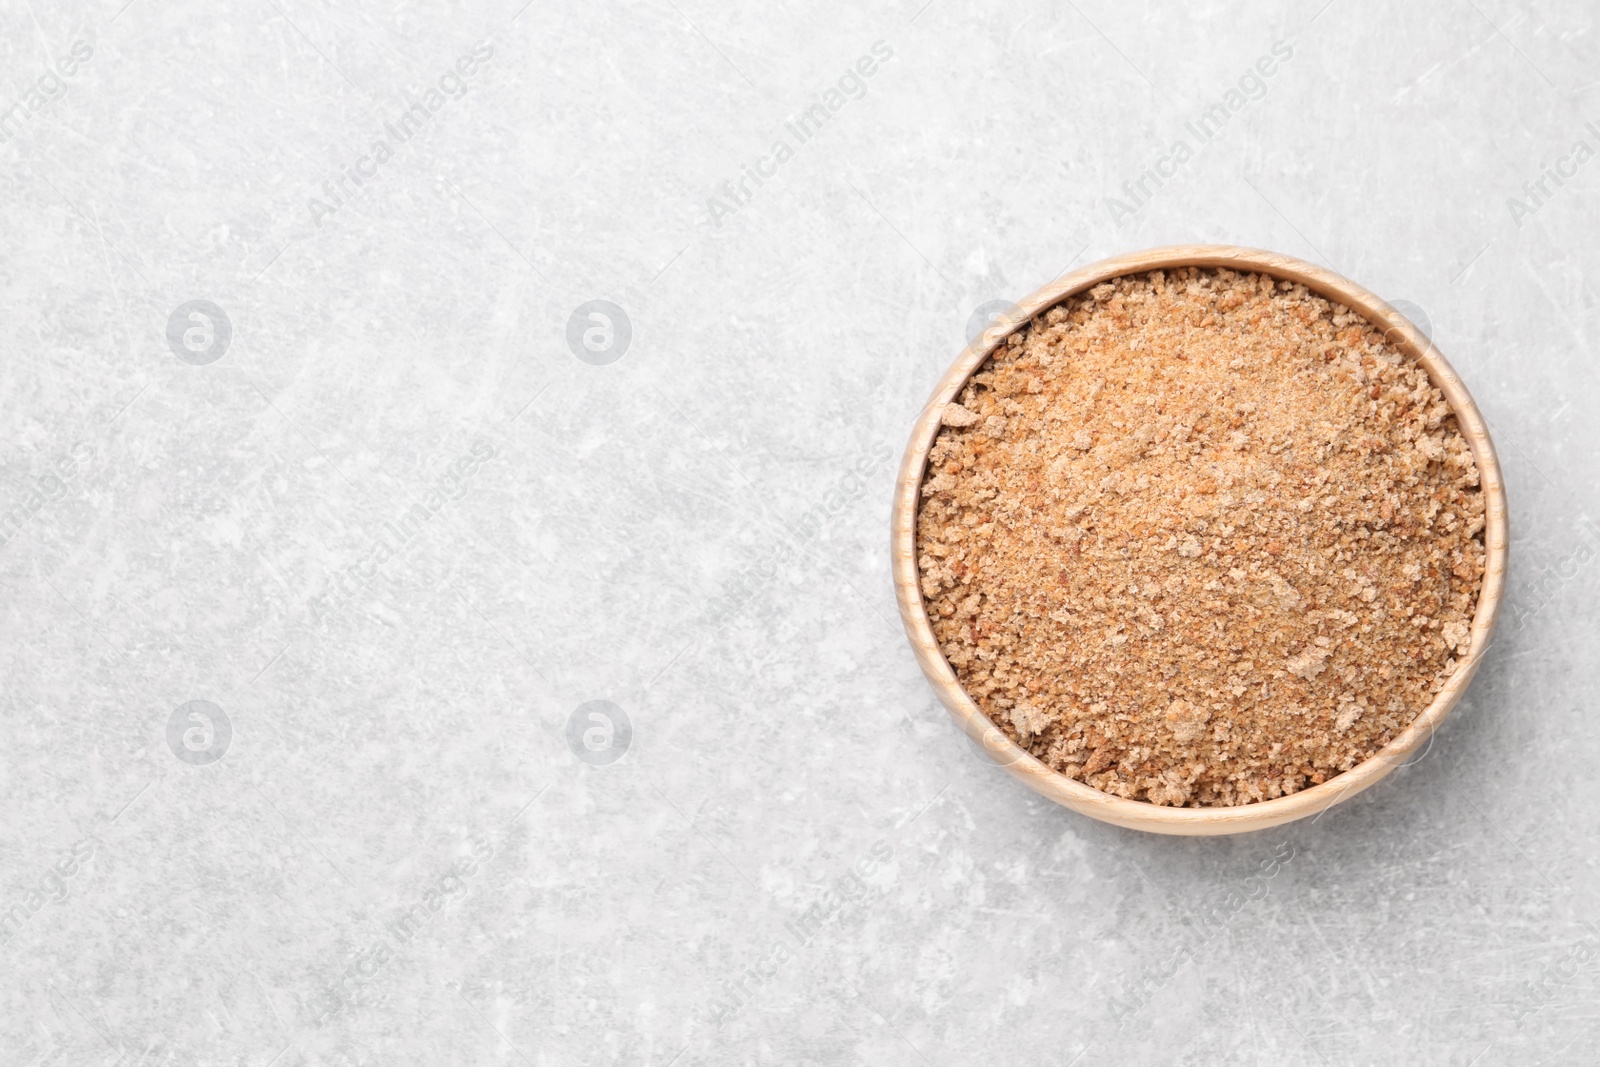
(395, 515)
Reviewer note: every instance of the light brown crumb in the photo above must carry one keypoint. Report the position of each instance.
(1200, 538)
(1187, 721)
(1308, 664)
(1030, 720)
(956, 415)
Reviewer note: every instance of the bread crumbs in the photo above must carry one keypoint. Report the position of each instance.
(1200, 538)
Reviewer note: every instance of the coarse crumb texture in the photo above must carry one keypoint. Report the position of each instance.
(1200, 538)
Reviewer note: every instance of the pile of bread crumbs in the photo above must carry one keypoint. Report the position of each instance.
(1200, 538)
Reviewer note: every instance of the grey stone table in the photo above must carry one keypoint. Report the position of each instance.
(445, 481)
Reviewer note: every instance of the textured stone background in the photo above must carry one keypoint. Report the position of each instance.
(639, 534)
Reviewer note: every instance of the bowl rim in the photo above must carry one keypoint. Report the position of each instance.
(1140, 814)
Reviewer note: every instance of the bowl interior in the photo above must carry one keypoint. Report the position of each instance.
(1138, 814)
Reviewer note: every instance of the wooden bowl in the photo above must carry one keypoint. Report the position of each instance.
(1138, 814)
